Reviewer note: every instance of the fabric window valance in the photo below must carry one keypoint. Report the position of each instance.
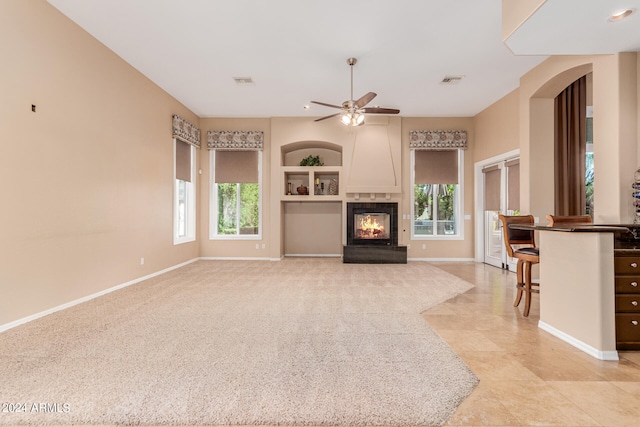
(185, 131)
(235, 140)
(438, 139)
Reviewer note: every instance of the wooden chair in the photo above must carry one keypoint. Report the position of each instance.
(526, 253)
(569, 219)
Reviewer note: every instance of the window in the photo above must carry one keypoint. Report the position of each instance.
(184, 210)
(236, 211)
(437, 194)
(589, 170)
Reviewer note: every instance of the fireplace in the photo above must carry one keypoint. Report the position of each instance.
(372, 234)
(372, 224)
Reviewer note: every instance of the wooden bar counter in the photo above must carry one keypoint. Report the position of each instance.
(579, 270)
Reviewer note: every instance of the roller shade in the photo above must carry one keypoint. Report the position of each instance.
(236, 167)
(491, 188)
(436, 167)
(183, 161)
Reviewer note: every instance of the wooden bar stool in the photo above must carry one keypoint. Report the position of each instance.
(526, 253)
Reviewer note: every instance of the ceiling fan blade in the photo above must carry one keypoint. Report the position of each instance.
(326, 105)
(378, 110)
(364, 100)
(327, 117)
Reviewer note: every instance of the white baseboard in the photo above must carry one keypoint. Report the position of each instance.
(443, 259)
(590, 350)
(27, 319)
(314, 255)
(233, 258)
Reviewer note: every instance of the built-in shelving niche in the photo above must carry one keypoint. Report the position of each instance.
(293, 175)
(311, 229)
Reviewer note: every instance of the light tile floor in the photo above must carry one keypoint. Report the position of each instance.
(527, 376)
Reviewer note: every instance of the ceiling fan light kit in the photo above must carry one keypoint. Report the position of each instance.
(353, 111)
(355, 119)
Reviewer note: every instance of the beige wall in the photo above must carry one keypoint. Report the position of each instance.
(313, 228)
(87, 178)
(496, 128)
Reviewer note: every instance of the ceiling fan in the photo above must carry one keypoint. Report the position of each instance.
(353, 111)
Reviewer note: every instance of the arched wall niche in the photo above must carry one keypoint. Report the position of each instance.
(330, 154)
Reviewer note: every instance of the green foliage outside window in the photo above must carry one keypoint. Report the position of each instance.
(446, 202)
(588, 181)
(444, 218)
(589, 176)
(423, 197)
(423, 200)
(230, 222)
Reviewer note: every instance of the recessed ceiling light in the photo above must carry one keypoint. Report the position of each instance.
(620, 15)
(306, 107)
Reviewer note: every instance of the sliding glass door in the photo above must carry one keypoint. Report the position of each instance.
(501, 195)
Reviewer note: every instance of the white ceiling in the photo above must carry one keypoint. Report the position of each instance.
(296, 51)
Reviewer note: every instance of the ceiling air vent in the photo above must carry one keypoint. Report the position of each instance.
(451, 80)
(244, 81)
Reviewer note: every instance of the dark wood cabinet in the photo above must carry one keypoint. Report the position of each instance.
(627, 287)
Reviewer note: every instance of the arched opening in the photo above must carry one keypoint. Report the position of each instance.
(541, 136)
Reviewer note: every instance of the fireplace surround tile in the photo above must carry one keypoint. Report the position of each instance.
(374, 246)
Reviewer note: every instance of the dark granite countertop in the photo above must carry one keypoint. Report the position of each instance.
(576, 228)
(626, 236)
(626, 251)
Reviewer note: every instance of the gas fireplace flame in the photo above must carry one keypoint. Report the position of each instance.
(370, 226)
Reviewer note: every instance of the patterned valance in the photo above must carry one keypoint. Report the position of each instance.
(438, 139)
(235, 140)
(185, 131)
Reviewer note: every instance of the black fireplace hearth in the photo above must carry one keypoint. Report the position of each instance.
(372, 234)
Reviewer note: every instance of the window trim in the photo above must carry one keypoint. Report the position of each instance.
(213, 204)
(459, 203)
(190, 234)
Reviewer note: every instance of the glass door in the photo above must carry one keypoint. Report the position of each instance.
(501, 195)
(494, 248)
(493, 189)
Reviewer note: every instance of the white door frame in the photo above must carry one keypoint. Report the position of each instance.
(479, 198)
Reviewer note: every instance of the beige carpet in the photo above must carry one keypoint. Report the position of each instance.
(299, 342)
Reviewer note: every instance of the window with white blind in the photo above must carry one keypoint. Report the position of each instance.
(236, 211)
(437, 194)
(184, 205)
